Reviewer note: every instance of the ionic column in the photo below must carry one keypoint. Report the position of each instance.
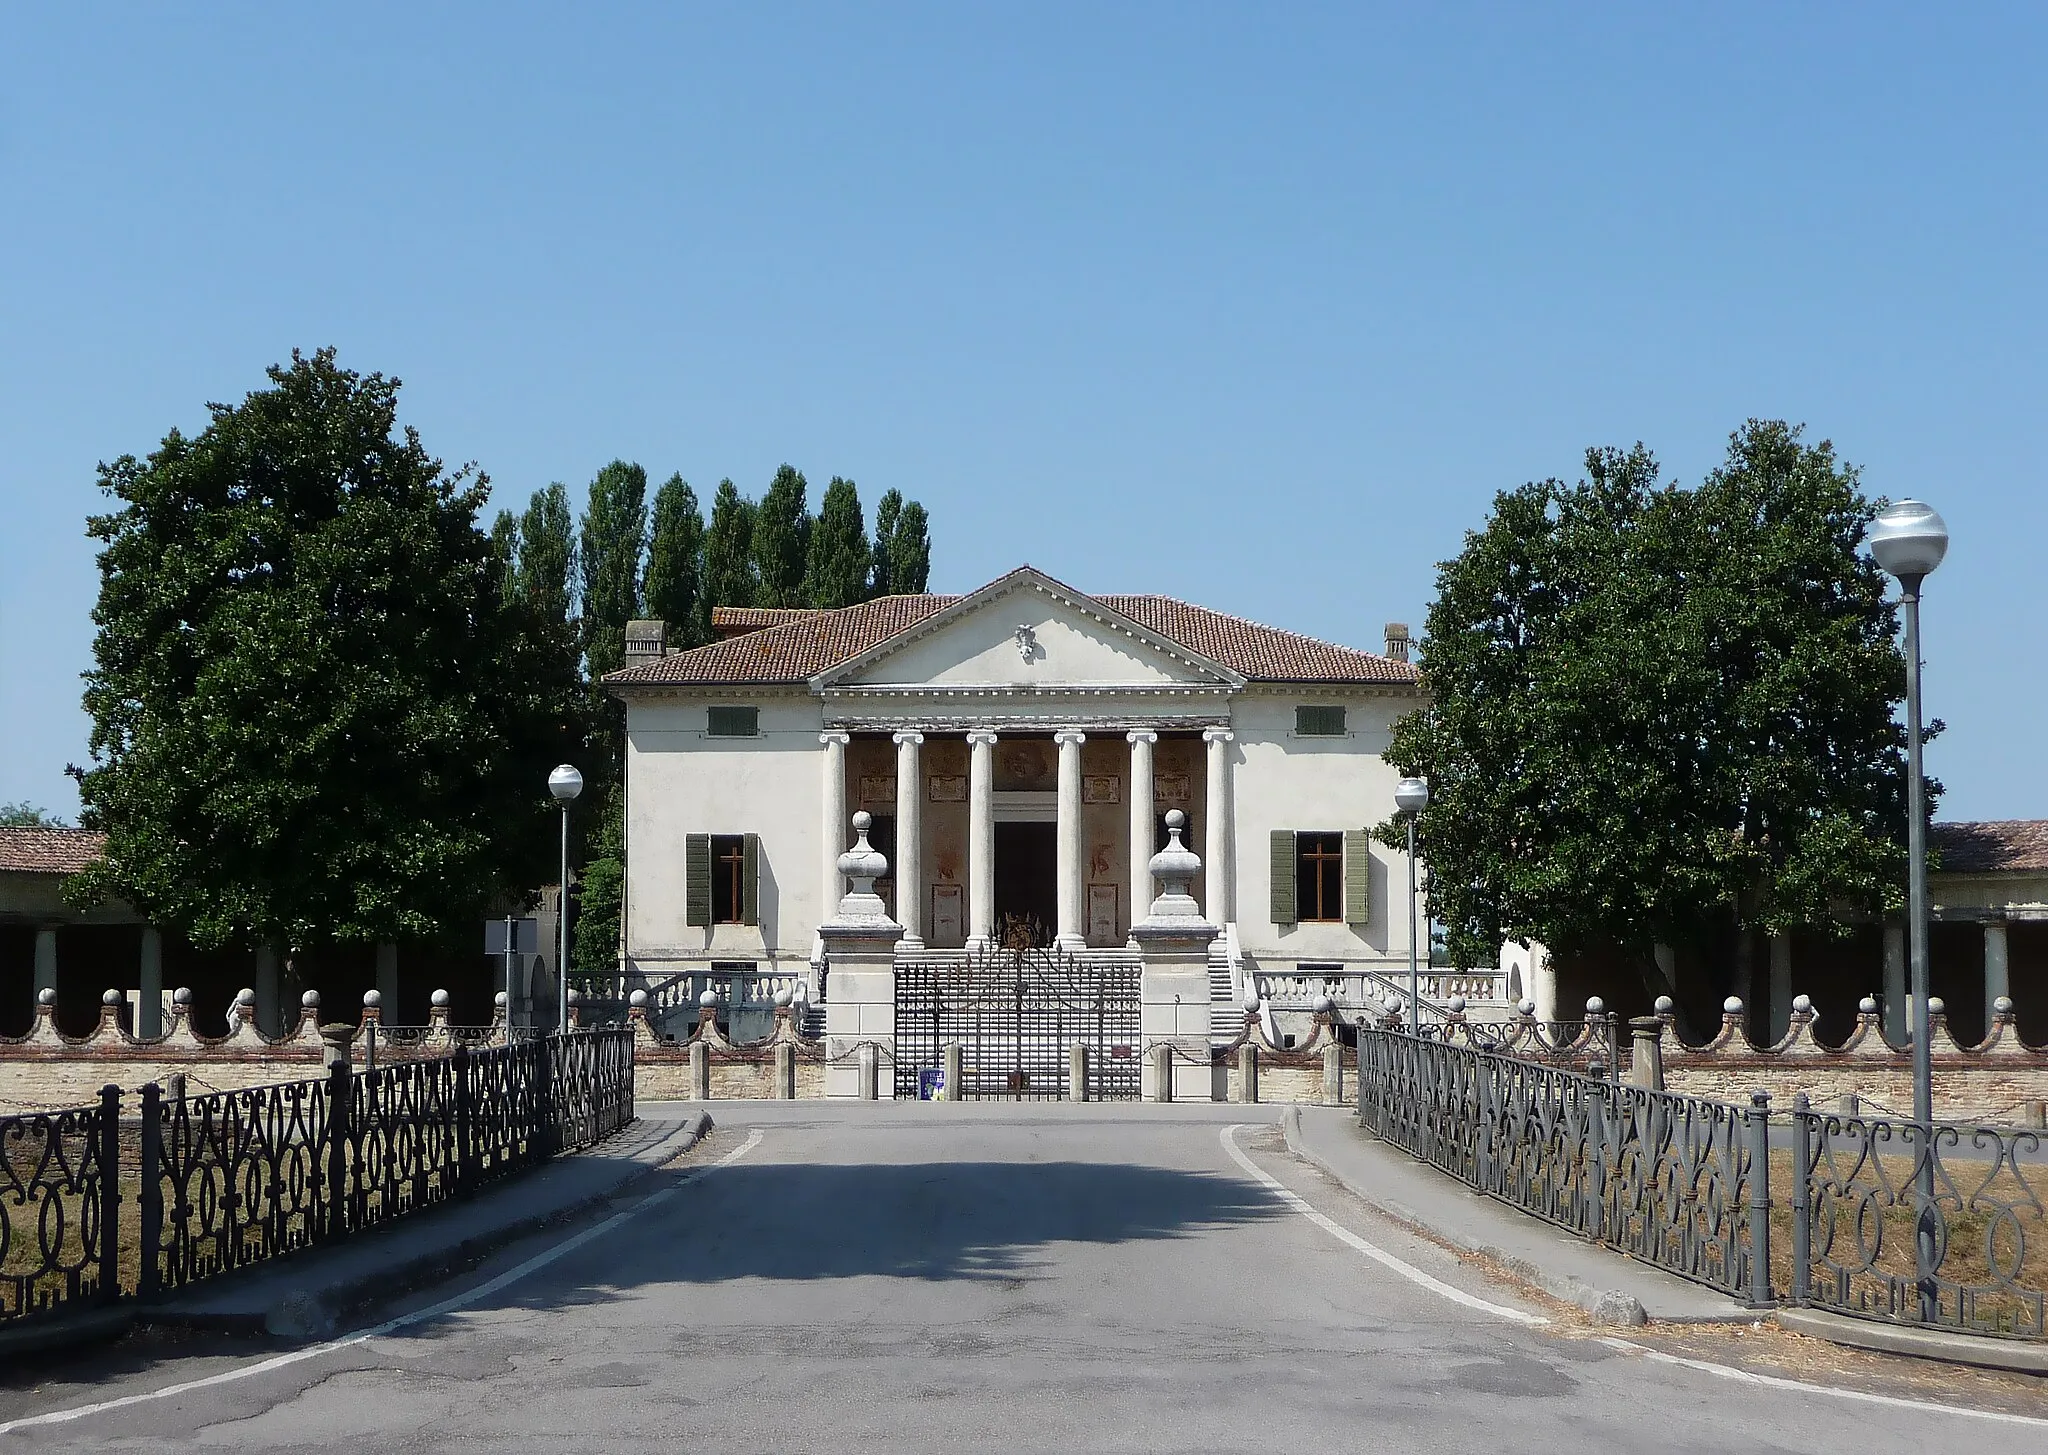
(149, 980)
(1216, 906)
(909, 839)
(46, 958)
(1142, 848)
(1072, 932)
(832, 822)
(268, 987)
(1895, 1022)
(1997, 973)
(981, 837)
(1780, 1003)
(387, 981)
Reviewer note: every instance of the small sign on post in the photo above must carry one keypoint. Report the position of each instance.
(510, 937)
(931, 1084)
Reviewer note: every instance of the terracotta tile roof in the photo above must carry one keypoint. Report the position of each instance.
(2001, 846)
(733, 621)
(48, 851)
(794, 651)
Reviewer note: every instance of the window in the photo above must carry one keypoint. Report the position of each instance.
(735, 722)
(722, 879)
(1319, 720)
(1319, 877)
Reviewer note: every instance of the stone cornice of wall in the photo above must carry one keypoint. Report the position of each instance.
(1865, 1046)
(108, 1041)
(1297, 691)
(648, 1046)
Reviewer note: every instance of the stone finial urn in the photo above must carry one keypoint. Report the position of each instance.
(862, 908)
(1174, 912)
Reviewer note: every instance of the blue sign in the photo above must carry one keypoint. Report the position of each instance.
(931, 1084)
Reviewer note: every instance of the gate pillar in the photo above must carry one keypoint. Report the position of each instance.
(1173, 997)
(860, 951)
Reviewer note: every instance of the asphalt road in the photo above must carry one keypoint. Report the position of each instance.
(949, 1278)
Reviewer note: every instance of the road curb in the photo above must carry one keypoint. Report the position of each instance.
(318, 1310)
(1979, 1352)
(1606, 1305)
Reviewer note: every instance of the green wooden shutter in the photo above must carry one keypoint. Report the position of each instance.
(1357, 877)
(750, 889)
(697, 879)
(1283, 876)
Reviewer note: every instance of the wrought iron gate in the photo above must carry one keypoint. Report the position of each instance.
(1015, 1014)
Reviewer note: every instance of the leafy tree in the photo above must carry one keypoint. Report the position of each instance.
(837, 571)
(316, 718)
(547, 554)
(600, 894)
(675, 566)
(1662, 716)
(782, 530)
(613, 539)
(903, 548)
(505, 553)
(26, 815)
(729, 577)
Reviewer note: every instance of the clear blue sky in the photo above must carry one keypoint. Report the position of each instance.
(1254, 305)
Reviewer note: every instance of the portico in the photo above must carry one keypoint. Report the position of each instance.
(963, 876)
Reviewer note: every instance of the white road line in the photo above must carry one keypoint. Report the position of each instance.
(1890, 1401)
(1724, 1371)
(391, 1326)
(1378, 1254)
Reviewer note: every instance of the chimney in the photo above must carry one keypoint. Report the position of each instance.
(646, 641)
(1397, 641)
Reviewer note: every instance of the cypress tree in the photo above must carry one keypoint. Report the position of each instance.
(887, 509)
(910, 552)
(781, 540)
(675, 566)
(547, 553)
(729, 551)
(836, 573)
(614, 536)
(505, 555)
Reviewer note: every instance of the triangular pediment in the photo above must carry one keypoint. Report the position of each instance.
(1026, 630)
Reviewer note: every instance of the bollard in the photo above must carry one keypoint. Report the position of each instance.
(1646, 1052)
(2034, 1114)
(1077, 1072)
(785, 1072)
(1848, 1104)
(700, 1071)
(337, 1043)
(869, 1061)
(952, 1089)
(1248, 1074)
(1162, 1073)
(1333, 1074)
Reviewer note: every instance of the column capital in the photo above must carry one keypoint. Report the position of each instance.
(982, 737)
(907, 735)
(835, 737)
(1073, 736)
(1217, 734)
(1141, 735)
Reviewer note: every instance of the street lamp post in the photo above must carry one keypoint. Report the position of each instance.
(1411, 796)
(1909, 539)
(565, 783)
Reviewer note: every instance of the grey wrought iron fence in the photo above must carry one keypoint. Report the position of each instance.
(1676, 1181)
(59, 1191)
(1898, 1221)
(95, 1208)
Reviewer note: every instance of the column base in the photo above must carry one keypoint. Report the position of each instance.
(1070, 942)
(980, 944)
(910, 942)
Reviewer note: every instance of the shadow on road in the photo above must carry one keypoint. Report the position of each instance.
(951, 1220)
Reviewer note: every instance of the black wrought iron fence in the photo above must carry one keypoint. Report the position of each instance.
(93, 1207)
(1675, 1181)
(1898, 1221)
(1875, 1217)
